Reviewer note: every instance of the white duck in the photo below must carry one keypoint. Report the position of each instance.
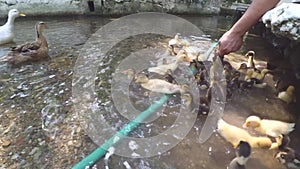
(160, 86)
(235, 134)
(7, 30)
(272, 128)
(163, 69)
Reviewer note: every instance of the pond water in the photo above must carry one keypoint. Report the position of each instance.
(42, 129)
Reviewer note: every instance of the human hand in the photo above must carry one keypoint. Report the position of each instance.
(229, 42)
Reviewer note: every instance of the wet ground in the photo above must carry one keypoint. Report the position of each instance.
(39, 127)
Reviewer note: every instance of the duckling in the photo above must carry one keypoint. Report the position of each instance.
(187, 100)
(235, 134)
(169, 78)
(251, 74)
(243, 152)
(176, 44)
(30, 51)
(160, 86)
(162, 69)
(289, 157)
(286, 155)
(288, 95)
(130, 73)
(282, 142)
(271, 128)
(7, 30)
(250, 55)
(192, 52)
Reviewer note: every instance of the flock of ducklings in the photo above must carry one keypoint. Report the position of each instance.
(246, 76)
(32, 51)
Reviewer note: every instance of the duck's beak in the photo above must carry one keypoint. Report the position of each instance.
(21, 14)
(245, 125)
(188, 59)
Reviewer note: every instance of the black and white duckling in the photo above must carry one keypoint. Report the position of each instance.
(7, 30)
(290, 158)
(169, 77)
(162, 69)
(243, 152)
(288, 95)
(250, 55)
(285, 154)
(160, 86)
(33, 51)
(272, 128)
(234, 135)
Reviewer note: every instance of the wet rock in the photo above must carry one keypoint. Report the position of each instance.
(284, 20)
(5, 143)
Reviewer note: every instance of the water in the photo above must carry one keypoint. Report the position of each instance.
(43, 128)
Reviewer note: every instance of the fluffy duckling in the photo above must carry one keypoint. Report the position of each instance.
(30, 51)
(290, 158)
(235, 134)
(288, 95)
(162, 69)
(287, 155)
(282, 142)
(243, 152)
(250, 55)
(272, 128)
(252, 74)
(187, 99)
(7, 30)
(160, 86)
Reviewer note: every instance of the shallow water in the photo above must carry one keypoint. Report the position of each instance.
(43, 128)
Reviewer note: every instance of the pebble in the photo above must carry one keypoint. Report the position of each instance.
(5, 143)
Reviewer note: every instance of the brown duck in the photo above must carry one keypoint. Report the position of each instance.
(33, 51)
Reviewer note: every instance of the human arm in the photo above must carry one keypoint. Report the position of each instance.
(232, 40)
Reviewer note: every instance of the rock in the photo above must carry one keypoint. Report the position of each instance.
(5, 143)
(284, 20)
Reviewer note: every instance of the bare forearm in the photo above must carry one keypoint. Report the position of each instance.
(252, 15)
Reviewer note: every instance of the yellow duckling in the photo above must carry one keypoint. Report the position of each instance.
(252, 74)
(187, 99)
(288, 95)
(7, 30)
(272, 128)
(192, 52)
(235, 134)
(30, 51)
(250, 55)
(160, 86)
(163, 69)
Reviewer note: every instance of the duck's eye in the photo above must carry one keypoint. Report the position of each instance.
(282, 156)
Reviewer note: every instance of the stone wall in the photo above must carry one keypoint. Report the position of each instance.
(109, 7)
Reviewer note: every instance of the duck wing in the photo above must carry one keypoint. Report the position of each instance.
(27, 47)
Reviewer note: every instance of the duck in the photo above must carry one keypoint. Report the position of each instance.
(272, 128)
(242, 152)
(162, 69)
(288, 95)
(7, 30)
(250, 54)
(234, 135)
(160, 86)
(33, 51)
